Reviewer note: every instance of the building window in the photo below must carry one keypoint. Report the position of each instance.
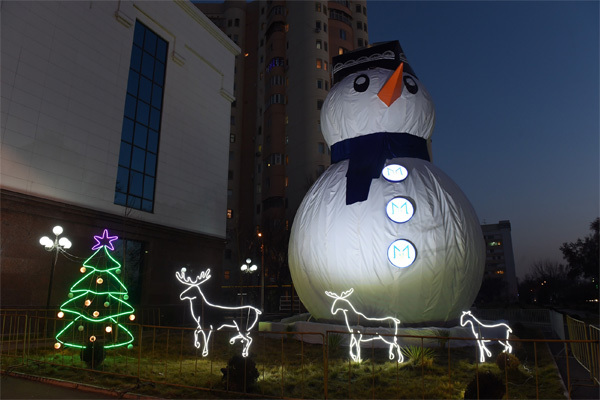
(366, 27)
(136, 176)
(229, 22)
(360, 43)
(319, 63)
(324, 27)
(359, 24)
(319, 104)
(319, 83)
(343, 34)
(341, 50)
(358, 7)
(324, 9)
(325, 65)
(321, 147)
(275, 62)
(230, 175)
(227, 273)
(232, 120)
(318, 6)
(318, 26)
(325, 46)
(232, 138)
(326, 85)
(286, 181)
(229, 213)
(365, 10)
(237, 22)
(340, 16)
(319, 44)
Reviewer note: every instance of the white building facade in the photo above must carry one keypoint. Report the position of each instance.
(114, 115)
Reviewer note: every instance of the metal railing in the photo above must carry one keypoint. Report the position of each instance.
(585, 348)
(291, 364)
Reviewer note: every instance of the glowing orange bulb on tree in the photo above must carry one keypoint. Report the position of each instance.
(57, 346)
(95, 314)
(131, 317)
(82, 270)
(108, 329)
(92, 339)
(99, 280)
(87, 302)
(61, 314)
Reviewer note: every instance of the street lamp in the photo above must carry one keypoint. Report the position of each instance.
(262, 272)
(57, 245)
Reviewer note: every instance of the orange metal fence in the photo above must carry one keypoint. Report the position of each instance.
(292, 364)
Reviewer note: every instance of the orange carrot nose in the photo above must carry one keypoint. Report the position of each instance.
(393, 87)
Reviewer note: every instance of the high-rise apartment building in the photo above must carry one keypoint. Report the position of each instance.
(281, 80)
(499, 258)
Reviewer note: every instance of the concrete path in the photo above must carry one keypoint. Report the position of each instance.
(12, 387)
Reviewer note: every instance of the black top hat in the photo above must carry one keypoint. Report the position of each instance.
(387, 55)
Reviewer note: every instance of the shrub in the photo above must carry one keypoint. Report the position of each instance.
(508, 361)
(93, 354)
(334, 343)
(241, 374)
(418, 356)
(490, 387)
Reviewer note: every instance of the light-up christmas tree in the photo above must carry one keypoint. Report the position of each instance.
(97, 304)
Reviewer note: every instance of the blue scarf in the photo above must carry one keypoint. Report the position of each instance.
(367, 155)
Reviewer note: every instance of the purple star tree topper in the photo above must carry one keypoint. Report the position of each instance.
(104, 240)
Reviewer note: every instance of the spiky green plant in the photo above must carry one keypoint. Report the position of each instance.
(419, 356)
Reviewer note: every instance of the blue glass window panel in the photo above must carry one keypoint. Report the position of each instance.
(130, 106)
(156, 96)
(136, 58)
(150, 164)
(161, 50)
(125, 154)
(159, 73)
(145, 89)
(138, 159)
(134, 202)
(150, 42)
(147, 65)
(154, 119)
(136, 181)
(147, 206)
(122, 177)
(141, 134)
(148, 188)
(133, 82)
(143, 111)
(138, 34)
(120, 198)
(152, 141)
(127, 133)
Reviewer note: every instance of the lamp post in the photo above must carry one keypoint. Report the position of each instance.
(262, 272)
(247, 268)
(57, 245)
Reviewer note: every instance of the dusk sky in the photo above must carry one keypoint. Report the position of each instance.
(515, 85)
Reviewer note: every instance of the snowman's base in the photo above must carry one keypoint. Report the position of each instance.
(301, 328)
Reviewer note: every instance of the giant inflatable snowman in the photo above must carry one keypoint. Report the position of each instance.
(382, 219)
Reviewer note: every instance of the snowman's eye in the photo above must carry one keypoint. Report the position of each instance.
(410, 84)
(361, 83)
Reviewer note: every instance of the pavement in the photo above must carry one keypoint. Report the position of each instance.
(13, 387)
(577, 380)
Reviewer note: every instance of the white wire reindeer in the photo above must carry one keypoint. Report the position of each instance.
(480, 331)
(356, 338)
(196, 298)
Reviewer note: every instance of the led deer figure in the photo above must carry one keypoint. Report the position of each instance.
(195, 296)
(478, 332)
(356, 338)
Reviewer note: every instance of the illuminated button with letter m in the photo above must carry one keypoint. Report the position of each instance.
(400, 209)
(394, 173)
(402, 253)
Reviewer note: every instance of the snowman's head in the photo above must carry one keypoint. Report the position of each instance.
(377, 100)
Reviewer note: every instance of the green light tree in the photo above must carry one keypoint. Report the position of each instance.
(98, 304)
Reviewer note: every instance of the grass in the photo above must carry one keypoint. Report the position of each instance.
(171, 367)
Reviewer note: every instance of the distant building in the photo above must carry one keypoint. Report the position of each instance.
(282, 78)
(500, 260)
(114, 115)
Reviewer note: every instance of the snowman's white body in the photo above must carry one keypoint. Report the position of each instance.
(335, 246)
